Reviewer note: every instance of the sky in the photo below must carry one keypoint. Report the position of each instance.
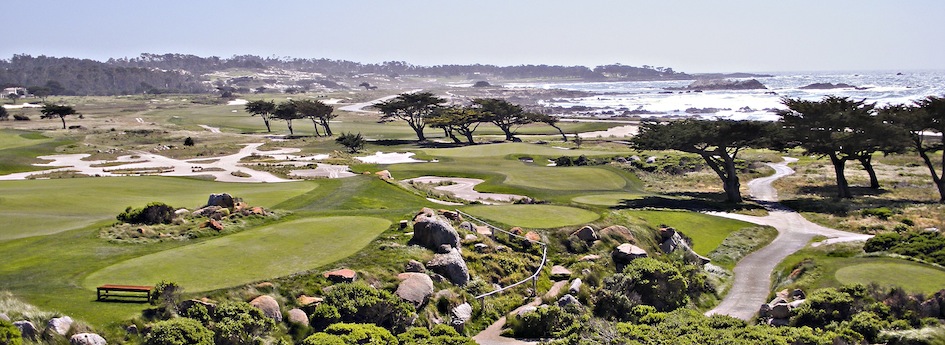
(687, 35)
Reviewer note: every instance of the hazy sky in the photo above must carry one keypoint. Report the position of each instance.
(689, 36)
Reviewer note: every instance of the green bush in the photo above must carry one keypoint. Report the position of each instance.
(240, 323)
(153, 213)
(323, 316)
(360, 303)
(352, 333)
(9, 334)
(179, 331)
(647, 281)
(547, 322)
(925, 245)
(880, 212)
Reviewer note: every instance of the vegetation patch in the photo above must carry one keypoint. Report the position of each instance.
(533, 216)
(613, 199)
(707, 232)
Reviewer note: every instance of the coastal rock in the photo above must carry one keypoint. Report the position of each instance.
(269, 307)
(213, 224)
(27, 329)
(223, 200)
(525, 310)
(587, 234)
(87, 339)
(414, 266)
(460, 315)
(725, 84)
(452, 266)
(828, 86)
(307, 301)
(532, 236)
(60, 325)
(343, 275)
(591, 257)
(619, 232)
(470, 238)
(467, 226)
(575, 286)
(625, 253)
(560, 273)
(567, 300)
(516, 230)
(207, 211)
(452, 215)
(481, 247)
(298, 316)
(780, 311)
(433, 231)
(484, 230)
(181, 212)
(414, 287)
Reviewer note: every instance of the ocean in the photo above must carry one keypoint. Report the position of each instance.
(652, 99)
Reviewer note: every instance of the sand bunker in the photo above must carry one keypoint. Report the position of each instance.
(463, 188)
(21, 106)
(211, 129)
(325, 170)
(238, 101)
(614, 132)
(390, 158)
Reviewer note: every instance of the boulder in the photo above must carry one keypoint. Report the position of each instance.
(591, 257)
(307, 301)
(298, 316)
(532, 236)
(779, 322)
(780, 311)
(414, 287)
(485, 231)
(797, 303)
(185, 305)
(207, 211)
(567, 300)
(451, 265)
(60, 325)
(765, 310)
(223, 200)
(132, 329)
(426, 212)
(87, 339)
(667, 233)
(798, 294)
(586, 234)
(213, 224)
(384, 175)
(625, 253)
(414, 266)
(470, 238)
(459, 316)
(433, 231)
(265, 286)
(525, 310)
(452, 215)
(27, 329)
(575, 286)
(516, 231)
(181, 212)
(343, 275)
(4, 317)
(269, 307)
(560, 273)
(467, 226)
(619, 232)
(481, 247)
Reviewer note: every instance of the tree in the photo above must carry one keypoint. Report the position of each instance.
(504, 115)
(646, 281)
(917, 121)
(61, 111)
(12, 96)
(414, 108)
(461, 120)
(287, 112)
(179, 331)
(839, 128)
(354, 142)
(264, 109)
(550, 120)
(40, 91)
(319, 112)
(717, 142)
(4, 115)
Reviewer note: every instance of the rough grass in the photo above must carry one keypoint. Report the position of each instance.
(42, 207)
(707, 232)
(611, 199)
(532, 216)
(505, 149)
(257, 254)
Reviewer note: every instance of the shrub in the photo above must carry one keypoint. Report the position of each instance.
(647, 280)
(545, 322)
(179, 331)
(153, 213)
(9, 334)
(240, 323)
(352, 333)
(189, 141)
(354, 142)
(360, 303)
(323, 339)
(19, 117)
(880, 212)
(323, 316)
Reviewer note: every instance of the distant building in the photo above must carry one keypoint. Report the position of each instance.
(14, 90)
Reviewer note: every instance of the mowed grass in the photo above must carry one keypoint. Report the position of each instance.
(12, 138)
(566, 178)
(258, 254)
(533, 216)
(505, 149)
(611, 199)
(42, 207)
(893, 272)
(706, 231)
(19, 149)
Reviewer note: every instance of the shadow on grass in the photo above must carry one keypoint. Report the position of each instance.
(863, 198)
(697, 202)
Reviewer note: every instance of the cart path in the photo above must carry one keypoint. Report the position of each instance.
(753, 273)
(492, 335)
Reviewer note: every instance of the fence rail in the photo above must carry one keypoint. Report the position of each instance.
(533, 277)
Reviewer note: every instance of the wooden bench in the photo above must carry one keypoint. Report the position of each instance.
(133, 291)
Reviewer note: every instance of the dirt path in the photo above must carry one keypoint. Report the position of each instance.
(492, 335)
(753, 273)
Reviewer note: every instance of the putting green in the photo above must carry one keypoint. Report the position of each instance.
(42, 207)
(914, 277)
(566, 178)
(707, 232)
(12, 139)
(533, 216)
(248, 256)
(505, 149)
(613, 199)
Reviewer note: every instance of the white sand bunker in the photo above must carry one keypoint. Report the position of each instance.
(224, 168)
(613, 132)
(238, 101)
(325, 171)
(463, 188)
(390, 158)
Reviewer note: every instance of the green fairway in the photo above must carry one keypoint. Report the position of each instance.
(12, 139)
(612, 199)
(566, 178)
(41, 207)
(533, 216)
(706, 231)
(501, 150)
(914, 277)
(248, 256)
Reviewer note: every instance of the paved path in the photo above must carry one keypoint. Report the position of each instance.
(753, 273)
(492, 335)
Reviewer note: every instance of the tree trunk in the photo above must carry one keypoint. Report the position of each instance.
(867, 162)
(563, 137)
(419, 131)
(266, 121)
(63, 118)
(469, 137)
(508, 132)
(731, 185)
(327, 129)
(315, 124)
(289, 123)
(939, 181)
(843, 188)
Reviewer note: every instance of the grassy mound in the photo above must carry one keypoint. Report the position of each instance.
(248, 256)
(913, 276)
(707, 232)
(533, 216)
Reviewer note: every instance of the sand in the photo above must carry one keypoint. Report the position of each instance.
(390, 158)
(463, 188)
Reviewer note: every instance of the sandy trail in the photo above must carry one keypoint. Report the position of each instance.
(753, 272)
(463, 188)
(211, 129)
(359, 107)
(492, 335)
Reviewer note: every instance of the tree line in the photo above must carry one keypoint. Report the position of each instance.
(839, 128)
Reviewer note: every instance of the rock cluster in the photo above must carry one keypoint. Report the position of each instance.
(269, 306)
(431, 231)
(87, 339)
(673, 241)
(415, 288)
(778, 311)
(625, 253)
(450, 265)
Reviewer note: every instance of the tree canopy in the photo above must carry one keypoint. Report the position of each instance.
(54, 110)
(455, 119)
(717, 142)
(502, 114)
(319, 112)
(918, 122)
(287, 112)
(264, 109)
(414, 108)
